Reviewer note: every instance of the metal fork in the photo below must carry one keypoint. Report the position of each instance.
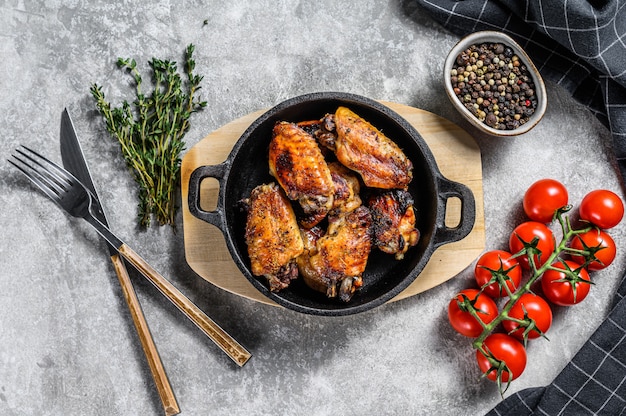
(71, 195)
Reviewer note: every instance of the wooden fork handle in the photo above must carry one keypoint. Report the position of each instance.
(145, 337)
(231, 347)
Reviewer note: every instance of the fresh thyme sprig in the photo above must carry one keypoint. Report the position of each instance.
(151, 131)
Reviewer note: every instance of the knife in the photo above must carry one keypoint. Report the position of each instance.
(74, 161)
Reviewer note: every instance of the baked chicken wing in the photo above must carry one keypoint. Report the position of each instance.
(393, 222)
(347, 188)
(363, 148)
(273, 236)
(333, 263)
(298, 165)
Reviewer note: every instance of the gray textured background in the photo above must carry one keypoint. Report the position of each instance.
(67, 344)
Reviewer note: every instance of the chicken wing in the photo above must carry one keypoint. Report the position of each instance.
(366, 150)
(347, 188)
(393, 222)
(297, 163)
(334, 262)
(273, 236)
(322, 130)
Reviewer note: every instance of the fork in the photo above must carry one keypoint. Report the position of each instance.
(71, 195)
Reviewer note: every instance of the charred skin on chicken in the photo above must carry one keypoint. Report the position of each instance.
(393, 222)
(297, 163)
(272, 236)
(334, 262)
(362, 148)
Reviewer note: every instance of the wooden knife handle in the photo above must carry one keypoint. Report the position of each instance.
(231, 347)
(149, 348)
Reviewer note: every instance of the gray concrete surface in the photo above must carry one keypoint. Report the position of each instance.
(67, 344)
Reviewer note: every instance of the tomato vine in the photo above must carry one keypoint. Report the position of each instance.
(535, 272)
(502, 355)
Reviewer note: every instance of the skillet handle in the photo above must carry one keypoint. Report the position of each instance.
(449, 189)
(216, 217)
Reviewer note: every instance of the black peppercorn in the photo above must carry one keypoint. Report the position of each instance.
(494, 85)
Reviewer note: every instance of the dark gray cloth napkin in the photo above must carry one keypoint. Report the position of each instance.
(580, 45)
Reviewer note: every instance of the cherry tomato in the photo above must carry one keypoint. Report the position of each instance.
(565, 290)
(600, 244)
(602, 208)
(532, 307)
(543, 198)
(462, 320)
(503, 348)
(524, 234)
(493, 266)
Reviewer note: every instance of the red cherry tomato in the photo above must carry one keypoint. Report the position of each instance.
(531, 307)
(495, 269)
(543, 198)
(601, 246)
(462, 320)
(524, 234)
(602, 208)
(565, 290)
(503, 348)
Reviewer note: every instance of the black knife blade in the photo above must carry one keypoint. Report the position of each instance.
(74, 161)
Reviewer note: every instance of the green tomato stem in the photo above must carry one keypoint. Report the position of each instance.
(536, 273)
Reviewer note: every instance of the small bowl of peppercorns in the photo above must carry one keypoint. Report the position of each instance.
(494, 84)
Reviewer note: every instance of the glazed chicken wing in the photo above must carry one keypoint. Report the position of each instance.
(273, 236)
(296, 161)
(322, 130)
(366, 150)
(347, 188)
(334, 262)
(393, 222)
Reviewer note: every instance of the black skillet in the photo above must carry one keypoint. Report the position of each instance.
(247, 166)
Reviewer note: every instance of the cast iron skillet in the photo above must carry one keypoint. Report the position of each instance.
(247, 166)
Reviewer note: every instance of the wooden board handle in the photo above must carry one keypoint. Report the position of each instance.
(457, 155)
(231, 347)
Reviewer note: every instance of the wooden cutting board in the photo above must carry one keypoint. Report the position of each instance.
(457, 156)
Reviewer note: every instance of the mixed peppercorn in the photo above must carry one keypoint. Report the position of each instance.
(494, 85)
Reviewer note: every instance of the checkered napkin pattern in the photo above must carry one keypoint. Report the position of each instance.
(580, 45)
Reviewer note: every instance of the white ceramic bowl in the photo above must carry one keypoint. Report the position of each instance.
(478, 38)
